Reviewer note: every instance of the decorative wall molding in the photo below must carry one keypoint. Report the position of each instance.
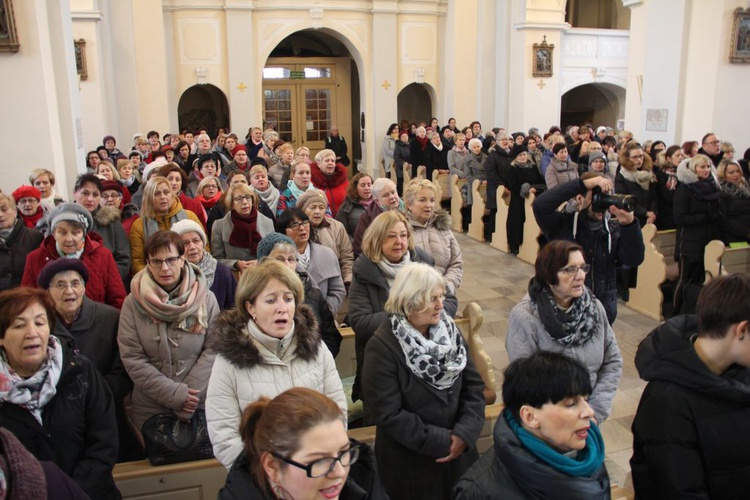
(211, 54)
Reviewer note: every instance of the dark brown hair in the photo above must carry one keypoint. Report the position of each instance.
(13, 302)
(276, 425)
(163, 240)
(173, 167)
(553, 257)
(351, 191)
(714, 315)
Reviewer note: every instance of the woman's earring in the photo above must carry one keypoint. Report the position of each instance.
(278, 491)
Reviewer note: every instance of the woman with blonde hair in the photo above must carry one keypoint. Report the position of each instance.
(160, 209)
(208, 192)
(235, 237)
(280, 171)
(387, 247)
(735, 201)
(432, 230)
(44, 181)
(268, 344)
(422, 391)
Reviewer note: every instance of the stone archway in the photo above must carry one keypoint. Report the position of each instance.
(415, 103)
(595, 103)
(203, 106)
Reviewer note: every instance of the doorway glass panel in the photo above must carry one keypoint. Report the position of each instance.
(278, 111)
(318, 114)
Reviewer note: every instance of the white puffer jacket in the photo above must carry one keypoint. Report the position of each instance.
(245, 370)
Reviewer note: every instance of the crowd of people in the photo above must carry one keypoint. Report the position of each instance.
(206, 278)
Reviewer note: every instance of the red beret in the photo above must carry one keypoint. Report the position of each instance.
(111, 186)
(27, 192)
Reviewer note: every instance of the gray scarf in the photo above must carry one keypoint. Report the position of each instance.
(151, 226)
(389, 269)
(571, 327)
(208, 266)
(270, 196)
(439, 359)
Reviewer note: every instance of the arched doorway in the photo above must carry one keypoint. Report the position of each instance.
(595, 103)
(203, 106)
(310, 83)
(414, 103)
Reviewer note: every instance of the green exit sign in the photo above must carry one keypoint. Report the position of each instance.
(297, 75)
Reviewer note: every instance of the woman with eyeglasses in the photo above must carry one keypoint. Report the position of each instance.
(235, 237)
(269, 343)
(636, 178)
(421, 390)
(163, 334)
(560, 314)
(295, 446)
(318, 261)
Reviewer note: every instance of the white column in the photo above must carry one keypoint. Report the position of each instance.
(384, 84)
(245, 88)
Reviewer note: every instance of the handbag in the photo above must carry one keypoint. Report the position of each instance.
(169, 440)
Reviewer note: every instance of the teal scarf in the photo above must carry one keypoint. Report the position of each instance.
(588, 460)
(296, 191)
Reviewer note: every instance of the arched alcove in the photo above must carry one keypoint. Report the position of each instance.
(415, 103)
(600, 14)
(203, 106)
(595, 103)
(311, 81)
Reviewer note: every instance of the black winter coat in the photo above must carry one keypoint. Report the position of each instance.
(361, 484)
(435, 160)
(367, 296)
(698, 221)
(690, 433)
(606, 248)
(665, 197)
(79, 432)
(329, 333)
(509, 471)
(13, 251)
(401, 155)
(417, 155)
(496, 168)
(338, 145)
(349, 213)
(415, 421)
(517, 177)
(647, 199)
(736, 209)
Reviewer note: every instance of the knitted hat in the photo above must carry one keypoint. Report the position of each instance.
(111, 186)
(108, 137)
(135, 152)
(597, 155)
(269, 241)
(72, 213)
(517, 151)
(239, 147)
(189, 226)
(156, 164)
(167, 147)
(203, 159)
(27, 192)
(600, 130)
(310, 196)
(58, 266)
(258, 161)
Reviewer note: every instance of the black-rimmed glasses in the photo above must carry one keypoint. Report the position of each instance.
(323, 466)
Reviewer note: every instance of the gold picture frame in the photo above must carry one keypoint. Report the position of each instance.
(8, 35)
(739, 52)
(542, 59)
(80, 50)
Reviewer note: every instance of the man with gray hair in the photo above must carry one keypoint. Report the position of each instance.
(384, 197)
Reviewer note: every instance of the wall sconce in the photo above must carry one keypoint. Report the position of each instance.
(201, 75)
(419, 75)
(597, 73)
(316, 16)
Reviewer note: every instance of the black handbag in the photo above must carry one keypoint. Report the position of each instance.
(169, 440)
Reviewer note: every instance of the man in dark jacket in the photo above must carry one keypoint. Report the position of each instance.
(690, 434)
(608, 242)
(711, 147)
(496, 167)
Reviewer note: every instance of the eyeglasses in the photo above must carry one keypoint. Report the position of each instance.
(324, 466)
(157, 263)
(296, 226)
(714, 143)
(290, 260)
(63, 285)
(240, 199)
(111, 196)
(573, 270)
(636, 157)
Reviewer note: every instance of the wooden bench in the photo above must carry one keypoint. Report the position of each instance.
(479, 197)
(528, 251)
(457, 202)
(720, 260)
(442, 181)
(421, 172)
(406, 169)
(500, 236)
(658, 265)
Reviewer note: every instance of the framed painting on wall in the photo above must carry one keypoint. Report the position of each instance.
(8, 36)
(542, 59)
(740, 50)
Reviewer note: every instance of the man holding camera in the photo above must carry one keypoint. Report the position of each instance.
(609, 235)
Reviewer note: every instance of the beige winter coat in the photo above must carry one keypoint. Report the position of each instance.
(245, 370)
(436, 238)
(163, 366)
(334, 236)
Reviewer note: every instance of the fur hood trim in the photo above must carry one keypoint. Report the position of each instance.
(441, 220)
(321, 181)
(229, 338)
(106, 216)
(687, 176)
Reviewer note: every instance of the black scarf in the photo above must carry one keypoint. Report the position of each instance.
(571, 327)
(705, 189)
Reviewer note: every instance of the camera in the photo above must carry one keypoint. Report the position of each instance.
(600, 202)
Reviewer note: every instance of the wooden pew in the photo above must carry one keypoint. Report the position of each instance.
(406, 169)
(720, 260)
(421, 172)
(381, 169)
(647, 297)
(457, 202)
(500, 236)
(479, 196)
(530, 248)
(443, 182)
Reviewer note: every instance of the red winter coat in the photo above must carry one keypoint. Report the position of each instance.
(334, 186)
(104, 284)
(194, 206)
